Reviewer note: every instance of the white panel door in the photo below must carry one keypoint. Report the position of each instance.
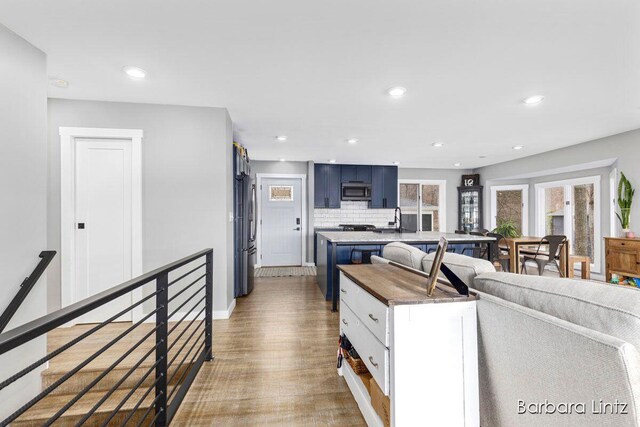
(281, 211)
(103, 232)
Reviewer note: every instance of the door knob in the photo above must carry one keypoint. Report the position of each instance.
(297, 229)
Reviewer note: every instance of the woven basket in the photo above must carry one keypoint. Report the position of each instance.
(357, 365)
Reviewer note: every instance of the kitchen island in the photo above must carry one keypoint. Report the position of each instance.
(334, 248)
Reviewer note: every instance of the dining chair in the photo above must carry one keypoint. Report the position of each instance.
(555, 244)
(479, 250)
(500, 255)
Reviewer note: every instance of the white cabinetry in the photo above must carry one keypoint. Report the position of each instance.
(422, 354)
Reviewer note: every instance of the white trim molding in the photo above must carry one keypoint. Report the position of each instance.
(68, 136)
(525, 205)
(225, 314)
(304, 213)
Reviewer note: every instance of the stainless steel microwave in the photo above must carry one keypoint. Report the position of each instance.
(356, 191)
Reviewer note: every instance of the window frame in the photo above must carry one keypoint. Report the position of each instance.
(525, 205)
(442, 200)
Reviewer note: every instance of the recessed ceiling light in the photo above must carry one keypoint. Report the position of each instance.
(437, 144)
(396, 163)
(281, 138)
(135, 72)
(352, 141)
(532, 100)
(59, 82)
(457, 164)
(518, 147)
(332, 161)
(397, 92)
(282, 160)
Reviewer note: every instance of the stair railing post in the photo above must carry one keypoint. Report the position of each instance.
(162, 305)
(209, 306)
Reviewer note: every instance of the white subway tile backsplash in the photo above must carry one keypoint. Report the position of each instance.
(352, 213)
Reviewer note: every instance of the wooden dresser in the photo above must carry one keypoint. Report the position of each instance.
(420, 350)
(622, 257)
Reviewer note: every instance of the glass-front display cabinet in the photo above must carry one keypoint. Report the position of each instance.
(470, 204)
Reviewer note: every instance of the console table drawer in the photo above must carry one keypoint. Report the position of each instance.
(371, 351)
(374, 315)
(348, 321)
(348, 291)
(624, 243)
(370, 311)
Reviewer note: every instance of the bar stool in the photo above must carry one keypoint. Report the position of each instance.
(365, 255)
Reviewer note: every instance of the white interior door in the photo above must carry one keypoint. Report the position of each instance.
(510, 203)
(103, 217)
(281, 222)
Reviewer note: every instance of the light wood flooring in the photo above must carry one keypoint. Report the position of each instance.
(275, 363)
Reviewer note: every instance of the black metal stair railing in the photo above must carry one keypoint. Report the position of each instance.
(171, 357)
(25, 287)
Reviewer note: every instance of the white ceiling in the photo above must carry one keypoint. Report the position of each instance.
(317, 71)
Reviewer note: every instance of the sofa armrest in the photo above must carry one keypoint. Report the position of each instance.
(528, 357)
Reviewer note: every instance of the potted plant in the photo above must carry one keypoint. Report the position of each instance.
(625, 198)
(507, 229)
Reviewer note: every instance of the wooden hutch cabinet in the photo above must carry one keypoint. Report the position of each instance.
(622, 257)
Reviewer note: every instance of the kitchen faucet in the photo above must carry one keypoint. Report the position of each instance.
(397, 220)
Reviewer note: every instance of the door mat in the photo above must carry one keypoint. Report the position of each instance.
(285, 271)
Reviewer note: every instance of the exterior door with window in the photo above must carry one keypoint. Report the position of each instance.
(422, 204)
(572, 208)
(510, 204)
(281, 222)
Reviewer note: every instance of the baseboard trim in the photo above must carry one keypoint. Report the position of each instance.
(225, 314)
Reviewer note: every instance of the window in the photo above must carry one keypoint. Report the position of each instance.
(281, 193)
(510, 203)
(572, 208)
(423, 205)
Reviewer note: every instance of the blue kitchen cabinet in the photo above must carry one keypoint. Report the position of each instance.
(327, 179)
(356, 173)
(384, 187)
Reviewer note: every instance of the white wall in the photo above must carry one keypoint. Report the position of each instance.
(23, 200)
(453, 178)
(186, 174)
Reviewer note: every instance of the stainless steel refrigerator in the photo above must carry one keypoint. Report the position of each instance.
(244, 195)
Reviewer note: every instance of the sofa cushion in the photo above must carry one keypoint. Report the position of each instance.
(611, 309)
(403, 254)
(465, 267)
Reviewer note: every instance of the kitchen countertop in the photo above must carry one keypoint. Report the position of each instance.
(422, 236)
(393, 285)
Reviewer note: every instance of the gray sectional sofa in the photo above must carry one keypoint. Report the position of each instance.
(552, 352)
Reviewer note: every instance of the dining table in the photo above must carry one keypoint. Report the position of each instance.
(529, 244)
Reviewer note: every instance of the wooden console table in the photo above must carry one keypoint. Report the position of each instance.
(622, 257)
(420, 350)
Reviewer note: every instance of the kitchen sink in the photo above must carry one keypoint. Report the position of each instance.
(385, 230)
